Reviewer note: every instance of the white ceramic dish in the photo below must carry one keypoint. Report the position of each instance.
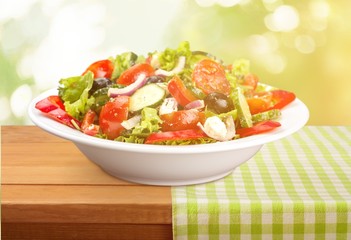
(170, 165)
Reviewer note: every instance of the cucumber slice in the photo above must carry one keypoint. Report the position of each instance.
(149, 95)
(242, 107)
(267, 115)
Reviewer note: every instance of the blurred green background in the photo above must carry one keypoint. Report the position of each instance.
(301, 46)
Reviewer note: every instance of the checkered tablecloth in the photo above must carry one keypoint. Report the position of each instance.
(295, 188)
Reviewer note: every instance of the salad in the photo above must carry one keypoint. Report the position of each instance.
(171, 97)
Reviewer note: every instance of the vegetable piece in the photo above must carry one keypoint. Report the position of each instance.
(250, 81)
(281, 98)
(175, 135)
(88, 127)
(197, 104)
(169, 58)
(216, 129)
(259, 102)
(181, 120)
(267, 115)
(74, 91)
(124, 61)
(180, 66)
(100, 69)
(112, 114)
(130, 89)
(101, 98)
(99, 83)
(258, 128)
(130, 75)
(210, 76)
(150, 122)
(149, 95)
(178, 90)
(242, 107)
(131, 122)
(53, 107)
(218, 103)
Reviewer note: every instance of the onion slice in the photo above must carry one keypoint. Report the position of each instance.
(177, 69)
(216, 129)
(197, 104)
(131, 122)
(130, 89)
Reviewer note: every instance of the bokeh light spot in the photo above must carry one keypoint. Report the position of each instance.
(284, 19)
(20, 100)
(305, 44)
(5, 109)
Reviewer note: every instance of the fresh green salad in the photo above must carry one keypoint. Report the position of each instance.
(172, 97)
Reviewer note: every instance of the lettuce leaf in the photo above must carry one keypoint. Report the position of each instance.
(74, 91)
(204, 140)
(124, 61)
(168, 59)
(149, 123)
(238, 71)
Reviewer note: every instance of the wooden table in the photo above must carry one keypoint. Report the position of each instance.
(52, 191)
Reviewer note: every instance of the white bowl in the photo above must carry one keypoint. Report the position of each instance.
(170, 165)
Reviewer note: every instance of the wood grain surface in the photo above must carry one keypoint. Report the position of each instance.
(50, 190)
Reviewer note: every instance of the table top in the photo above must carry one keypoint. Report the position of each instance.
(46, 179)
(299, 186)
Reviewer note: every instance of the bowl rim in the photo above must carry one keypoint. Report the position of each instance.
(294, 117)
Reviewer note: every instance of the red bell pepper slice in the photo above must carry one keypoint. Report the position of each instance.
(175, 135)
(261, 127)
(179, 91)
(53, 107)
(281, 98)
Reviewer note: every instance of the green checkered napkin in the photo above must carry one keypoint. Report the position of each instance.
(295, 188)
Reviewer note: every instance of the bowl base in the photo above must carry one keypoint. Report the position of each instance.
(170, 182)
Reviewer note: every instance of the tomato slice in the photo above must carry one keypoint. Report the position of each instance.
(258, 128)
(178, 90)
(182, 120)
(53, 107)
(131, 74)
(260, 102)
(209, 76)
(281, 98)
(175, 135)
(112, 114)
(101, 69)
(88, 127)
(251, 81)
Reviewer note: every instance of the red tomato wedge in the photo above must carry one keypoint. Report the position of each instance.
(258, 128)
(251, 81)
(182, 120)
(259, 102)
(209, 76)
(53, 107)
(131, 74)
(112, 114)
(101, 69)
(175, 135)
(178, 90)
(88, 127)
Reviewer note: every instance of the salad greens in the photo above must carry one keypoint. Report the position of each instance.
(173, 97)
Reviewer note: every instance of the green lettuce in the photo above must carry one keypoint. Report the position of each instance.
(149, 123)
(74, 91)
(204, 140)
(124, 61)
(168, 59)
(238, 71)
